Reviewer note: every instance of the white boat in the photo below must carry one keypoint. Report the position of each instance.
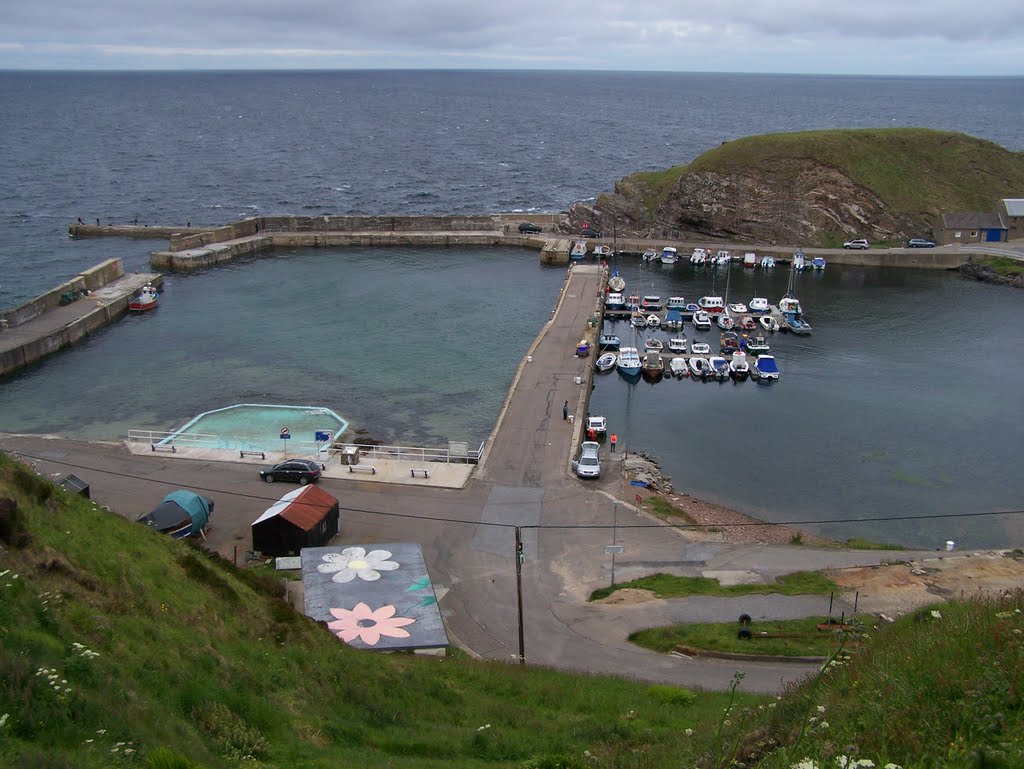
(650, 303)
(602, 251)
(608, 342)
(737, 308)
(616, 283)
(638, 320)
(747, 323)
(758, 345)
(818, 263)
(145, 300)
(723, 258)
(765, 368)
(750, 259)
(767, 262)
(702, 321)
(793, 317)
(677, 344)
(699, 256)
(614, 301)
(606, 361)
(653, 321)
(768, 323)
(700, 348)
(649, 255)
(712, 305)
(596, 426)
(675, 303)
(759, 304)
(673, 320)
(678, 367)
(700, 368)
(669, 255)
(738, 366)
(653, 345)
(579, 250)
(720, 366)
(633, 301)
(628, 362)
(725, 321)
(799, 262)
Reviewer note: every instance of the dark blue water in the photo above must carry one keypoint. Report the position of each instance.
(876, 415)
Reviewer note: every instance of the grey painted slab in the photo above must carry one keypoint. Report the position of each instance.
(514, 505)
(373, 596)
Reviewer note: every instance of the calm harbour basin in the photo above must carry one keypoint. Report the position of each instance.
(895, 407)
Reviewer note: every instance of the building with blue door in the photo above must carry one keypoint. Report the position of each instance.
(1005, 223)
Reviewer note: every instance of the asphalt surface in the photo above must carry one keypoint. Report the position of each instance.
(468, 535)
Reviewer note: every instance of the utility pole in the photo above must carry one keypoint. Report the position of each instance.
(519, 591)
(615, 524)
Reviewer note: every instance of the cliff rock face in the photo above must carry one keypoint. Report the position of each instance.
(800, 204)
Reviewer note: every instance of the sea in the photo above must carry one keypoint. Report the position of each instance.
(896, 421)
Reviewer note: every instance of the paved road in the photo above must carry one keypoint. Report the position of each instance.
(467, 535)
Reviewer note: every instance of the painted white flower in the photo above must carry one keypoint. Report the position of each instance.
(355, 562)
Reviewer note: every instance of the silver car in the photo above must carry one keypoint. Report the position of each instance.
(589, 463)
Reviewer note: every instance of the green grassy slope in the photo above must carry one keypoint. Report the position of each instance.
(917, 172)
(120, 647)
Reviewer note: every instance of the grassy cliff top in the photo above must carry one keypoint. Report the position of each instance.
(915, 171)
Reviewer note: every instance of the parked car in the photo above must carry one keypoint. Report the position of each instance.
(860, 243)
(530, 227)
(589, 463)
(920, 243)
(301, 471)
(588, 233)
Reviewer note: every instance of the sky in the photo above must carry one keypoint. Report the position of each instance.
(873, 37)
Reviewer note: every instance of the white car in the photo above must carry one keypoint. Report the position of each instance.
(589, 463)
(860, 243)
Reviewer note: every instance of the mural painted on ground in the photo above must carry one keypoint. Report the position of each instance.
(378, 597)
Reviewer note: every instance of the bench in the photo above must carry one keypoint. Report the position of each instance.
(243, 453)
(163, 447)
(362, 469)
(421, 470)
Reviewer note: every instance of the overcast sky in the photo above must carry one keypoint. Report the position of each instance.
(901, 37)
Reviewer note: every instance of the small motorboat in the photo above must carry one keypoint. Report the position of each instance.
(747, 323)
(818, 263)
(616, 283)
(768, 323)
(637, 320)
(653, 345)
(654, 366)
(700, 368)
(597, 425)
(737, 308)
(602, 251)
(608, 342)
(713, 305)
(719, 366)
(633, 301)
(799, 262)
(723, 258)
(689, 310)
(650, 303)
(765, 369)
(738, 366)
(673, 320)
(793, 317)
(750, 260)
(606, 361)
(675, 303)
(629, 361)
(767, 262)
(145, 300)
(699, 256)
(725, 322)
(702, 321)
(649, 255)
(579, 250)
(614, 301)
(700, 348)
(758, 345)
(669, 255)
(730, 343)
(759, 304)
(653, 321)
(677, 344)
(678, 367)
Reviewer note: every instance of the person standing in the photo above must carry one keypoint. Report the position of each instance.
(613, 440)
(565, 411)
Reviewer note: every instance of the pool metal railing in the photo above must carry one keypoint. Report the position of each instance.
(184, 440)
(455, 452)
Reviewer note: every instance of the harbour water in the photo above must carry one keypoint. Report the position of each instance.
(899, 404)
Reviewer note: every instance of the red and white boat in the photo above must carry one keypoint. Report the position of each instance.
(145, 300)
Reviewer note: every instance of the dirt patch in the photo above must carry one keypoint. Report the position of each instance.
(899, 588)
(629, 595)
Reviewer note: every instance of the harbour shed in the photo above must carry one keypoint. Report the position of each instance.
(306, 517)
(1012, 214)
(971, 227)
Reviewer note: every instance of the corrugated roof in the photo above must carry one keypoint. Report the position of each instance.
(972, 221)
(305, 507)
(1014, 206)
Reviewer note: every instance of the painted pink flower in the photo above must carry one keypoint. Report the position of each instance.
(368, 625)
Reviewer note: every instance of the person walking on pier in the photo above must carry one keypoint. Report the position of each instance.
(565, 411)
(614, 439)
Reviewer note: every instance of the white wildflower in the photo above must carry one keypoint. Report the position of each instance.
(936, 614)
(688, 732)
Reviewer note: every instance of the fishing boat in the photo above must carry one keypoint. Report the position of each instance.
(712, 305)
(669, 255)
(145, 300)
(614, 302)
(675, 303)
(673, 320)
(633, 301)
(602, 251)
(649, 255)
(637, 320)
(616, 283)
(737, 308)
(758, 345)
(723, 258)
(653, 367)
(650, 303)
(579, 250)
(789, 307)
(677, 344)
(700, 348)
(765, 369)
(758, 305)
(750, 260)
(725, 321)
(652, 344)
(767, 262)
(719, 366)
(739, 367)
(768, 323)
(608, 342)
(747, 323)
(628, 362)
(699, 256)
(606, 361)
(653, 321)
(701, 321)
(729, 343)
(700, 368)
(678, 367)
(818, 263)
(799, 262)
